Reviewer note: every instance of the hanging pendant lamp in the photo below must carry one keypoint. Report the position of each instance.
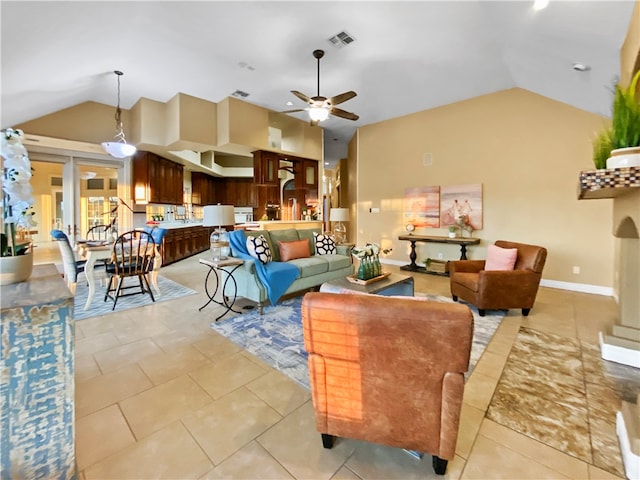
(120, 148)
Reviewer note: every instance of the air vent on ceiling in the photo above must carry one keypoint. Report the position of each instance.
(240, 94)
(341, 39)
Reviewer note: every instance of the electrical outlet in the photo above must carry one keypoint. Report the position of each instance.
(576, 270)
(440, 256)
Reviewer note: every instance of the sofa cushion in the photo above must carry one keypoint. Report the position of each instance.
(499, 258)
(309, 234)
(293, 249)
(284, 235)
(324, 244)
(311, 266)
(336, 261)
(259, 249)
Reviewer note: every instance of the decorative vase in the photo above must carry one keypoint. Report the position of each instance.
(15, 269)
(452, 234)
(362, 270)
(624, 157)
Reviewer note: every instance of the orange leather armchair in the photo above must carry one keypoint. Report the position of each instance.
(499, 289)
(388, 370)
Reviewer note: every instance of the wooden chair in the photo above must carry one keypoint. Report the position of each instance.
(132, 255)
(99, 232)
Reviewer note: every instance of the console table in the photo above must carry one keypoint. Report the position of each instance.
(463, 242)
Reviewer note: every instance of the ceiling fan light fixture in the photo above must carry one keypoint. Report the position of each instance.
(120, 148)
(318, 114)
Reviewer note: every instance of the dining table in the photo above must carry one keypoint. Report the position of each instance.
(99, 250)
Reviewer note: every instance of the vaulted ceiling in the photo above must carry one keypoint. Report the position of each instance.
(406, 56)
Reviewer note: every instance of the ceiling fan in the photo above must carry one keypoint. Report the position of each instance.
(321, 107)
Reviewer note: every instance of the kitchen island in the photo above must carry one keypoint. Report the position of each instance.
(183, 239)
(280, 225)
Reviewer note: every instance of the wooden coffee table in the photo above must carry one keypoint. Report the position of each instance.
(394, 284)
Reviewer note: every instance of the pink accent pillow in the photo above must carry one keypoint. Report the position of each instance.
(499, 258)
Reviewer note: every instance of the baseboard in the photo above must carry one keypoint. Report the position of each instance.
(578, 287)
(574, 287)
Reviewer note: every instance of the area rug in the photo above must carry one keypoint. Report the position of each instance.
(559, 391)
(170, 291)
(276, 336)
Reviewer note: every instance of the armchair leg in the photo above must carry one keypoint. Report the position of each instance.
(525, 311)
(327, 440)
(439, 465)
(481, 312)
(455, 298)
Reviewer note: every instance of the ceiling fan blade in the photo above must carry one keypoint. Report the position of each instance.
(343, 97)
(294, 111)
(301, 96)
(338, 112)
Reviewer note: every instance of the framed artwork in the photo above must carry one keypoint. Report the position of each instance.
(422, 206)
(456, 200)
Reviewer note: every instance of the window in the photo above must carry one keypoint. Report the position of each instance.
(95, 184)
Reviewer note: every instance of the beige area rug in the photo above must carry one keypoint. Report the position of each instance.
(559, 391)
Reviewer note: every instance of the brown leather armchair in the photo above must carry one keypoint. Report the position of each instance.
(499, 289)
(388, 370)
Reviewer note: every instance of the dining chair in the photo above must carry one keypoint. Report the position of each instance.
(99, 232)
(132, 255)
(71, 266)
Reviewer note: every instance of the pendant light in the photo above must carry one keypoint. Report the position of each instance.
(120, 148)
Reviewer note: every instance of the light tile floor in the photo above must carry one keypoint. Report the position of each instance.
(159, 394)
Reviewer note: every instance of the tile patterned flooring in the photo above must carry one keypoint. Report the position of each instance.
(159, 394)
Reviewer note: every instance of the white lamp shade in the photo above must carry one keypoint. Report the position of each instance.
(339, 215)
(218, 215)
(118, 149)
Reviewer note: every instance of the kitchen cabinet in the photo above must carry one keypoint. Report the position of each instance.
(267, 194)
(184, 242)
(156, 179)
(265, 167)
(206, 189)
(241, 192)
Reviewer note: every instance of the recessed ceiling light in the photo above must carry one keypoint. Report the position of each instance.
(289, 103)
(540, 4)
(581, 67)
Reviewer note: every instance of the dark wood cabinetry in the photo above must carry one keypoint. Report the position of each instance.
(156, 179)
(206, 189)
(265, 168)
(184, 242)
(241, 192)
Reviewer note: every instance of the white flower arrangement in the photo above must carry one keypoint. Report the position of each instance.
(17, 193)
(369, 250)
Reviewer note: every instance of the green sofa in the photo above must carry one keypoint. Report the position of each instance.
(314, 270)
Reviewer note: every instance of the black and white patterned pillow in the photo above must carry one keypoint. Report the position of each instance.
(258, 248)
(325, 244)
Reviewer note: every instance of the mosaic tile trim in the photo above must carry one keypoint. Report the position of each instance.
(627, 177)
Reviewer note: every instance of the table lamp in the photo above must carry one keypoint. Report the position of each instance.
(218, 216)
(339, 230)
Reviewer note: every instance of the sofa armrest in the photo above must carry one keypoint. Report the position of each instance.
(344, 250)
(466, 266)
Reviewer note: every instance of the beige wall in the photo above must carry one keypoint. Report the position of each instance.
(526, 150)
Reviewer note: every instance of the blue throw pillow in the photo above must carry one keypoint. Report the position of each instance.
(258, 248)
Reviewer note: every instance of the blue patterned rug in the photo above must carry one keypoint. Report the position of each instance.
(170, 291)
(276, 336)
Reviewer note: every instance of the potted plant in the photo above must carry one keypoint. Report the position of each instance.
(619, 145)
(16, 260)
(452, 231)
